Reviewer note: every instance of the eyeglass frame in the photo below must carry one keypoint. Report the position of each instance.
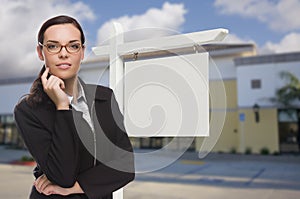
(61, 47)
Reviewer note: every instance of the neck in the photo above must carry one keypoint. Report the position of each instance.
(71, 86)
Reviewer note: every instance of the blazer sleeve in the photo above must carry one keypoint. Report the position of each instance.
(111, 175)
(103, 179)
(54, 149)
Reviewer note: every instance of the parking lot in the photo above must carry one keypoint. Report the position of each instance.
(216, 176)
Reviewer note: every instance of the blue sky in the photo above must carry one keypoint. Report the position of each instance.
(272, 25)
(200, 15)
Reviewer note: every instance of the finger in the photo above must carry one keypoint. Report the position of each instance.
(52, 81)
(56, 83)
(61, 84)
(52, 84)
(37, 183)
(44, 76)
(49, 190)
(42, 182)
(36, 187)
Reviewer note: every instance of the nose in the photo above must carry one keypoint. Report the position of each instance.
(63, 52)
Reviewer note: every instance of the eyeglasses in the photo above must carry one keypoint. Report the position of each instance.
(54, 48)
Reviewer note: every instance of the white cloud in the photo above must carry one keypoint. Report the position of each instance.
(153, 23)
(20, 21)
(280, 15)
(234, 39)
(288, 43)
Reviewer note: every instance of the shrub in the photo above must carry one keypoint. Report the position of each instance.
(233, 150)
(248, 151)
(26, 158)
(264, 151)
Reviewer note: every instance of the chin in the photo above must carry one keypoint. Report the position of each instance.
(66, 76)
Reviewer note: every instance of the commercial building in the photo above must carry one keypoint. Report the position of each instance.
(248, 80)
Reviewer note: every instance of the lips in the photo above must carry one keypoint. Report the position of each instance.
(63, 66)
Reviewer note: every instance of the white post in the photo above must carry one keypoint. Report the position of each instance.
(116, 64)
(116, 70)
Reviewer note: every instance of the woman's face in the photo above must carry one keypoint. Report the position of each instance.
(64, 65)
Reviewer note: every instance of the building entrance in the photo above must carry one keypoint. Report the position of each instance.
(288, 131)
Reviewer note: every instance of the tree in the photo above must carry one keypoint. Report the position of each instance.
(289, 96)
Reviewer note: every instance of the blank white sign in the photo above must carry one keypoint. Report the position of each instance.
(167, 96)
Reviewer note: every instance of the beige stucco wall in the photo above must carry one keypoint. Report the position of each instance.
(258, 135)
(223, 130)
(236, 135)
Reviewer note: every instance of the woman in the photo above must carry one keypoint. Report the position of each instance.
(73, 130)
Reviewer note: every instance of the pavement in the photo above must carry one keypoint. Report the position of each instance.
(217, 176)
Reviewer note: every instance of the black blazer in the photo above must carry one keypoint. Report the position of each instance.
(63, 145)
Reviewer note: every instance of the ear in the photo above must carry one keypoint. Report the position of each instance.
(40, 53)
(83, 50)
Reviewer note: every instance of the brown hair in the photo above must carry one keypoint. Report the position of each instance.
(37, 94)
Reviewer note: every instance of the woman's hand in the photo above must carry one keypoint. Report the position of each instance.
(43, 185)
(54, 86)
(55, 189)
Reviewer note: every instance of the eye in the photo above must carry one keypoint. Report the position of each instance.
(52, 46)
(74, 46)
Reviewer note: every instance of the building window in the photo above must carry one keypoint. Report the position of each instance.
(256, 84)
(8, 132)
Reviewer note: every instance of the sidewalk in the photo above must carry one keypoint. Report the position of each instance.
(221, 176)
(8, 155)
(218, 176)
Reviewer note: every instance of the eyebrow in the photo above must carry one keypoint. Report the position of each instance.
(54, 41)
